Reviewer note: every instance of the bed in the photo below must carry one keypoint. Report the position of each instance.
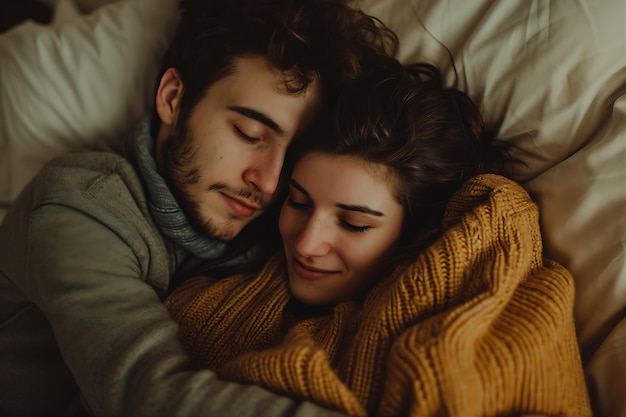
(550, 77)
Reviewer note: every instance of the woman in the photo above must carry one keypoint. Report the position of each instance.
(408, 283)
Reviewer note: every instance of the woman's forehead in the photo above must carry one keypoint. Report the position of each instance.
(348, 175)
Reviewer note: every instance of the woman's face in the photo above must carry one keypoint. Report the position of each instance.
(339, 221)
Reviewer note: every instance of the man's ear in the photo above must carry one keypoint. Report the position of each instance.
(168, 96)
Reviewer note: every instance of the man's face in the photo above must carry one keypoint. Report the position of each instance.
(227, 167)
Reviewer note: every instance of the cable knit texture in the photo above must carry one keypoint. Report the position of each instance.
(480, 324)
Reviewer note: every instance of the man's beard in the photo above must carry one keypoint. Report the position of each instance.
(181, 172)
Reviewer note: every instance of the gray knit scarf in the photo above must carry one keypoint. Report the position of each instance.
(167, 214)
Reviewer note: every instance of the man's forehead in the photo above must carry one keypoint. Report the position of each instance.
(256, 90)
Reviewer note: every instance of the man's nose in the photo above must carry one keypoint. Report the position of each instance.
(264, 173)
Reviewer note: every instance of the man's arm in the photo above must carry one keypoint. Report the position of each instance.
(113, 331)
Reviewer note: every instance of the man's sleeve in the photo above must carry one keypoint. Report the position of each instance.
(114, 333)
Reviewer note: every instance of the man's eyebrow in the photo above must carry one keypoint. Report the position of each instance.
(361, 209)
(258, 116)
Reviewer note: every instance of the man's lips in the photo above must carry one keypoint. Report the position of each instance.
(308, 272)
(241, 208)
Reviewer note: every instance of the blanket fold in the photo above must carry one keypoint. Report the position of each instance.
(479, 324)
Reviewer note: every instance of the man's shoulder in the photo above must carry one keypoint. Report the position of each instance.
(82, 169)
(89, 163)
(103, 194)
(91, 180)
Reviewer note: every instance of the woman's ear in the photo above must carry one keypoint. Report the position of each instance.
(168, 97)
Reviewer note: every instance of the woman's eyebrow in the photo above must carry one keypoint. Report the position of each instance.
(298, 187)
(349, 207)
(360, 209)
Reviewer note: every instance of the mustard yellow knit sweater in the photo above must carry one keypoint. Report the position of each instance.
(479, 325)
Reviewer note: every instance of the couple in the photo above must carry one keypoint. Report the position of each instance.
(97, 241)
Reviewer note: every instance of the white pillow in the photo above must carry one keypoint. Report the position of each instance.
(81, 81)
(551, 78)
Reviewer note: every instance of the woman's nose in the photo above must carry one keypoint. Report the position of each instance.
(314, 239)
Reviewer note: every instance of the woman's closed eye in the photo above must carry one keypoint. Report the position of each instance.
(353, 228)
(291, 202)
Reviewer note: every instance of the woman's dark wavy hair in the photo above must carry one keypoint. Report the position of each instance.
(327, 40)
(432, 138)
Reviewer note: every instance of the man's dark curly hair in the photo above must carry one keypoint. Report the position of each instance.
(327, 40)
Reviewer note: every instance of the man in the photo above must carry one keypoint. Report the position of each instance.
(89, 249)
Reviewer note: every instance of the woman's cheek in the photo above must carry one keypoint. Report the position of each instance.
(287, 222)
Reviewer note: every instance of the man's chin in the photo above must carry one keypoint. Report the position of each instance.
(223, 235)
(224, 232)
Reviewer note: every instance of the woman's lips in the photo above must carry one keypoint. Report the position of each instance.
(311, 273)
(239, 207)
